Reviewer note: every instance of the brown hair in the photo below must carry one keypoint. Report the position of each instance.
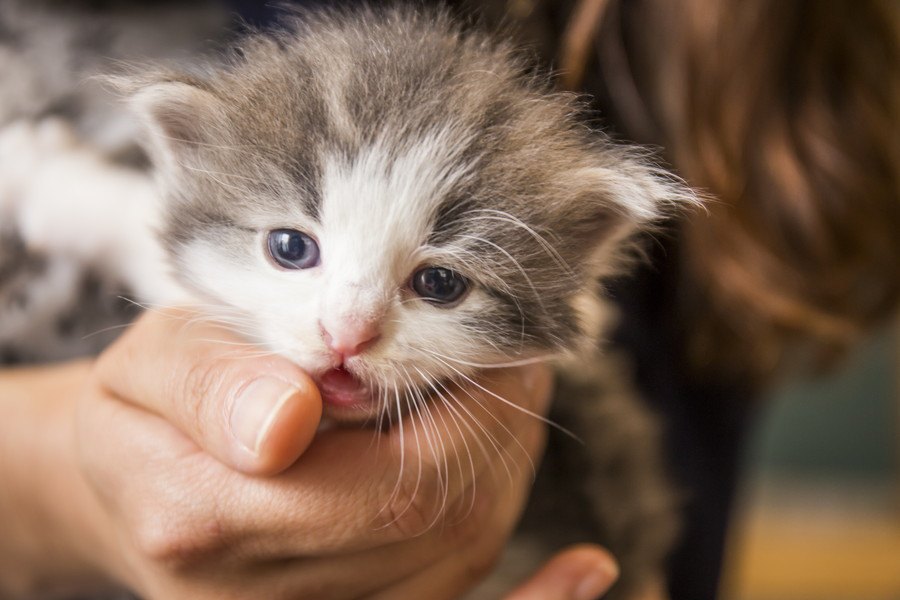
(788, 115)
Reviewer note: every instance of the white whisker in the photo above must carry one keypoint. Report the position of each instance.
(522, 409)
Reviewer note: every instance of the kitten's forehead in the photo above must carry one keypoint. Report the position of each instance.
(394, 91)
(378, 206)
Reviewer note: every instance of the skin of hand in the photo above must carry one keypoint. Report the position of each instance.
(180, 464)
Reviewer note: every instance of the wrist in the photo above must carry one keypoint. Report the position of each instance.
(51, 542)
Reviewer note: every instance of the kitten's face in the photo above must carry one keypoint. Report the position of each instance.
(381, 279)
(390, 205)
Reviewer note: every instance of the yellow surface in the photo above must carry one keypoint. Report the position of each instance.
(796, 556)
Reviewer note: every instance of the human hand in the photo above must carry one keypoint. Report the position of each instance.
(157, 513)
(344, 521)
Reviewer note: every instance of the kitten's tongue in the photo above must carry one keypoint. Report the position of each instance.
(340, 388)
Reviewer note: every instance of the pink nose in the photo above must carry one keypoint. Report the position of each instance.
(350, 339)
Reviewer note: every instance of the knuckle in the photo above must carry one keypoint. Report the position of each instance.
(176, 537)
(202, 381)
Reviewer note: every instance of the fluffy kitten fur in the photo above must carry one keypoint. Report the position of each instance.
(397, 140)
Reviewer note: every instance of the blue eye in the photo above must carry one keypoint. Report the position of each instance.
(293, 249)
(440, 285)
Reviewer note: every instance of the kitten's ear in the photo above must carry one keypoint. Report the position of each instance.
(179, 117)
(628, 194)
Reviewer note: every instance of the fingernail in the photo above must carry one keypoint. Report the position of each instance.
(597, 582)
(256, 409)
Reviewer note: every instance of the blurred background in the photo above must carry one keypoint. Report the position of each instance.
(818, 510)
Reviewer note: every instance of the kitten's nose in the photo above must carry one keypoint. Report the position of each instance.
(350, 339)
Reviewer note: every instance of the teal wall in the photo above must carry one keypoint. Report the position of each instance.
(844, 425)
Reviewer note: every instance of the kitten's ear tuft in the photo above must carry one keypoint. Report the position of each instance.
(628, 194)
(639, 191)
(175, 111)
(178, 116)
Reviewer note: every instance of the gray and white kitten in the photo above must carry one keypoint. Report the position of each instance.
(392, 203)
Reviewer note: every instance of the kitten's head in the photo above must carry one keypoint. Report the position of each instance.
(391, 202)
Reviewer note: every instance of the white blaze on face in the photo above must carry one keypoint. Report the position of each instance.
(376, 215)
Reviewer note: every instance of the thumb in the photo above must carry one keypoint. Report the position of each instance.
(581, 572)
(256, 414)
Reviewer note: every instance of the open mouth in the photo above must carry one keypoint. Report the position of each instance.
(347, 398)
(342, 390)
